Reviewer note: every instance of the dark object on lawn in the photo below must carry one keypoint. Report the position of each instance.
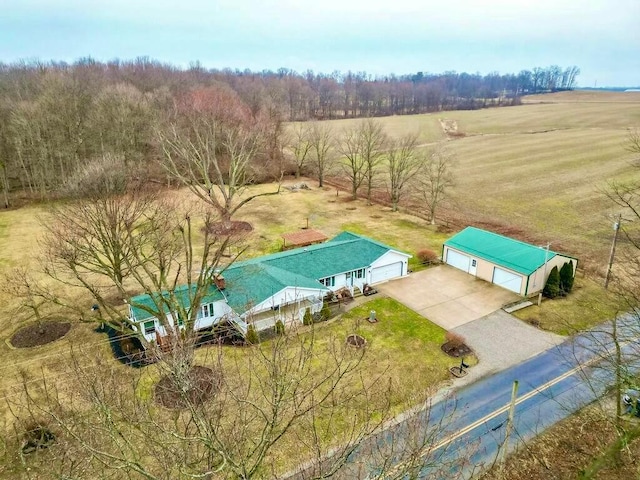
(199, 385)
(95, 307)
(459, 371)
(463, 365)
(232, 228)
(356, 341)
(456, 350)
(40, 334)
(368, 290)
(36, 438)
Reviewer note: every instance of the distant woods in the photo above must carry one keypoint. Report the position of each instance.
(58, 119)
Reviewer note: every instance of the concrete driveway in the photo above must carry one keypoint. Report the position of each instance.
(447, 296)
(472, 308)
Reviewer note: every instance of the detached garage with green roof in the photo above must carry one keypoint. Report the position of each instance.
(511, 264)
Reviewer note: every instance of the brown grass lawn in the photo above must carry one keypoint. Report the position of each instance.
(545, 185)
(271, 216)
(537, 169)
(588, 304)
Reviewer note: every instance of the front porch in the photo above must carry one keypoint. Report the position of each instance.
(291, 314)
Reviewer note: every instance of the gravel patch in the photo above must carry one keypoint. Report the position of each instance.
(500, 341)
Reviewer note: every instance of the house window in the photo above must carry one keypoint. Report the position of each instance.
(348, 275)
(149, 327)
(180, 320)
(473, 263)
(207, 310)
(360, 273)
(328, 282)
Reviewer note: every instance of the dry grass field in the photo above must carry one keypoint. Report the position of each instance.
(536, 170)
(545, 186)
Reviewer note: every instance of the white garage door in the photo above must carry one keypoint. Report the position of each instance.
(380, 274)
(458, 260)
(507, 280)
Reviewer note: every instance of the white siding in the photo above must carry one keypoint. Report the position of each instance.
(285, 296)
(341, 281)
(220, 309)
(396, 262)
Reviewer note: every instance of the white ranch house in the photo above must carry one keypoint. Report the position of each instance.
(280, 286)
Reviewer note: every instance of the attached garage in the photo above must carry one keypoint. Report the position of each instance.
(458, 260)
(386, 272)
(517, 266)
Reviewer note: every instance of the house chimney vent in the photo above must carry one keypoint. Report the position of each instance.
(218, 280)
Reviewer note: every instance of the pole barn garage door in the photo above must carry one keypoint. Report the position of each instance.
(458, 260)
(386, 272)
(507, 280)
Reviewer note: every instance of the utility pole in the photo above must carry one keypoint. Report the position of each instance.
(544, 276)
(507, 433)
(616, 229)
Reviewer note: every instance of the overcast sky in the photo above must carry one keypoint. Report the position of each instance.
(395, 36)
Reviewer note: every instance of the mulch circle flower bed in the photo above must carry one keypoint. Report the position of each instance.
(204, 383)
(456, 350)
(356, 341)
(230, 229)
(39, 334)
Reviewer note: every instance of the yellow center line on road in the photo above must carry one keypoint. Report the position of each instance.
(499, 411)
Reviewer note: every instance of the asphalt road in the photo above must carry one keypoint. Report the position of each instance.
(461, 435)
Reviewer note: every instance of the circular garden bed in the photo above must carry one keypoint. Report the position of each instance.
(39, 334)
(202, 383)
(356, 341)
(456, 350)
(233, 228)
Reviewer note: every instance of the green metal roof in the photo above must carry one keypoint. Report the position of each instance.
(248, 284)
(252, 281)
(141, 304)
(344, 253)
(513, 254)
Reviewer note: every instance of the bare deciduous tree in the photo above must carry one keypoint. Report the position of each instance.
(20, 284)
(270, 411)
(322, 145)
(300, 145)
(435, 180)
(271, 407)
(126, 245)
(212, 145)
(354, 166)
(214, 162)
(404, 164)
(633, 144)
(373, 143)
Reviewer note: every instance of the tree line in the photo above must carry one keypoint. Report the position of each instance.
(56, 117)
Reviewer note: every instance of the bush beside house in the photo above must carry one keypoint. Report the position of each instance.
(308, 318)
(552, 288)
(566, 278)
